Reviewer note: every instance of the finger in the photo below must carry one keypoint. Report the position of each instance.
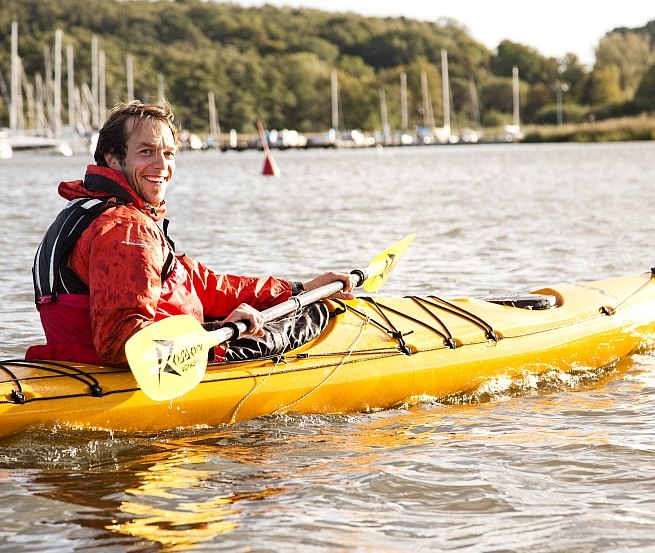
(256, 325)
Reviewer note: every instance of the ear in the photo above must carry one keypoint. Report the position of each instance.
(112, 160)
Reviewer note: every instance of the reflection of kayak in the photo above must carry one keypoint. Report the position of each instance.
(377, 354)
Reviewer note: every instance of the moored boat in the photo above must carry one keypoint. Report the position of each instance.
(376, 353)
(27, 143)
(6, 150)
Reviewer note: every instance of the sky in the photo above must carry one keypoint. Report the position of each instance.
(553, 27)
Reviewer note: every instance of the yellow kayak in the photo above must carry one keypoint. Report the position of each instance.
(376, 353)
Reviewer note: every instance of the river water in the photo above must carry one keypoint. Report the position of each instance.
(566, 465)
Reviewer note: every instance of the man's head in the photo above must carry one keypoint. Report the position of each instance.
(140, 140)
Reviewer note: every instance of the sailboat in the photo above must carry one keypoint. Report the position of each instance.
(513, 131)
(405, 138)
(444, 135)
(6, 151)
(42, 139)
(214, 138)
(469, 135)
(337, 136)
(425, 134)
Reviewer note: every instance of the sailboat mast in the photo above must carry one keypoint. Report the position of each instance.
(70, 76)
(56, 130)
(102, 86)
(445, 89)
(15, 78)
(335, 100)
(161, 94)
(214, 126)
(515, 90)
(428, 114)
(129, 69)
(386, 130)
(404, 119)
(95, 114)
(475, 103)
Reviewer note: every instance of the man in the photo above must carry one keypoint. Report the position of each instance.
(105, 269)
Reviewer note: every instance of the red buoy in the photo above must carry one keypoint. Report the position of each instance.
(270, 167)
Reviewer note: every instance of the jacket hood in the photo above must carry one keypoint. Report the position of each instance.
(106, 183)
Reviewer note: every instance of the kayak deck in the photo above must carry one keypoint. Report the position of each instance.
(375, 354)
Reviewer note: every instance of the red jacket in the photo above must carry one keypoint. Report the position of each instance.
(121, 257)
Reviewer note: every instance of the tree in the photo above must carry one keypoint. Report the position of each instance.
(604, 86)
(630, 54)
(573, 73)
(533, 67)
(496, 95)
(392, 49)
(538, 96)
(274, 63)
(308, 104)
(358, 93)
(645, 95)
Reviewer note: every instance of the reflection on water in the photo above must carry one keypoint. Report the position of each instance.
(175, 496)
(558, 463)
(528, 459)
(163, 508)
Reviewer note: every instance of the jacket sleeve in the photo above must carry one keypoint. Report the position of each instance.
(126, 258)
(220, 294)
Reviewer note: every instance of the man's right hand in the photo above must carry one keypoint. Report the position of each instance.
(249, 315)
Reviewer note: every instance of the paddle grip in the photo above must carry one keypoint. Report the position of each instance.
(358, 277)
(234, 329)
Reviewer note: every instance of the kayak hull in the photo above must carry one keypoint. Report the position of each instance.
(376, 354)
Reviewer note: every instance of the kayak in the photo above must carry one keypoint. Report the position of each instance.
(376, 353)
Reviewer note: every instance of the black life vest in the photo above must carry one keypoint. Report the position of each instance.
(51, 274)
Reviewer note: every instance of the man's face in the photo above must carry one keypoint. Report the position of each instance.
(149, 162)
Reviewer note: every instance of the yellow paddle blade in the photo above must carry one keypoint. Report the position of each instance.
(169, 357)
(382, 265)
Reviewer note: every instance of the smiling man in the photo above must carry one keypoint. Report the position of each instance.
(105, 268)
(149, 163)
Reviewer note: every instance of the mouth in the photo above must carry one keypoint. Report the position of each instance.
(155, 179)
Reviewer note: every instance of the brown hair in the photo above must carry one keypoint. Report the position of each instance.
(113, 137)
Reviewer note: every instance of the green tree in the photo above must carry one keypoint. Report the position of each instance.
(392, 49)
(496, 95)
(645, 95)
(307, 79)
(604, 86)
(358, 93)
(533, 67)
(274, 63)
(630, 54)
(414, 90)
(537, 96)
(573, 73)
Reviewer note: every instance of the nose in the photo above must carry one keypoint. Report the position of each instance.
(159, 158)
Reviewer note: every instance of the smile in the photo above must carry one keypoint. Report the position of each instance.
(155, 180)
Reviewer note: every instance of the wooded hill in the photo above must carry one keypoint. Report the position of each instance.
(274, 64)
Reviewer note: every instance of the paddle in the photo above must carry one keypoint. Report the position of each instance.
(169, 357)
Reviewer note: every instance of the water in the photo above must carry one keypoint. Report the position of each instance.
(566, 464)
